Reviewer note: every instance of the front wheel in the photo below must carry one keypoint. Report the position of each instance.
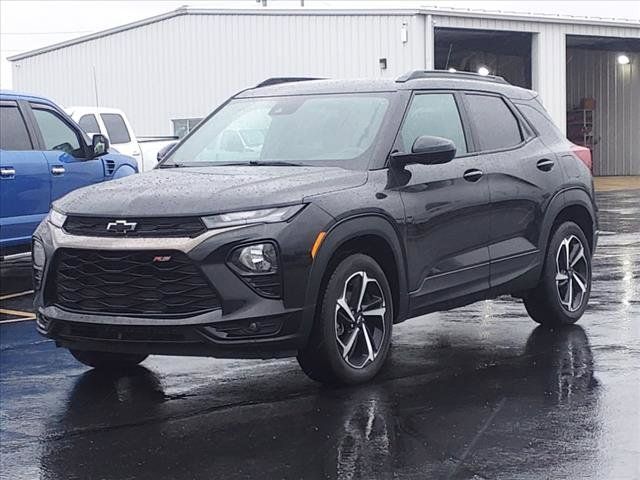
(352, 332)
(562, 294)
(108, 360)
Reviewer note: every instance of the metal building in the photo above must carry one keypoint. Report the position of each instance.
(168, 71)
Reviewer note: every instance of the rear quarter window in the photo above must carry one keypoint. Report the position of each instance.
(89, 124)
(540, 121)
(116, 128)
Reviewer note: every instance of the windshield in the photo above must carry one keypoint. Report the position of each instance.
(308, 130)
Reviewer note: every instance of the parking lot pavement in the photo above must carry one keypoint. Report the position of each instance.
(477, 392)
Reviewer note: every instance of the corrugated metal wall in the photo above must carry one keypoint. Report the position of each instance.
(548, 52)
(616, 89)
(185, 66)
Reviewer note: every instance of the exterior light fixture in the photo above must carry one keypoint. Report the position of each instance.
(484, 71)
(452, 70)
(623, 59)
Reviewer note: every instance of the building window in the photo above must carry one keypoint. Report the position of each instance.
(182, 126)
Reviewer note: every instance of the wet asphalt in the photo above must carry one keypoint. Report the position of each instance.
(474, 393)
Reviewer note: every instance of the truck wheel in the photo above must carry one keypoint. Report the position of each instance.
(107, 360)
(562, 294)
(351, 334)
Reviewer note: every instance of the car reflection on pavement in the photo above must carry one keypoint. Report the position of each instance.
(521, 414)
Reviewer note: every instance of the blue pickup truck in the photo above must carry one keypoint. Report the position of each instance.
(44, 155)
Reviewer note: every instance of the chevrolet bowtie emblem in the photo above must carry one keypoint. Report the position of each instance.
(121, 226)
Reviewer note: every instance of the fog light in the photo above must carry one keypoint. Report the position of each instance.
(259, 258)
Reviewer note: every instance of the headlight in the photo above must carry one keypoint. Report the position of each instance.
(38, 255)
(259, 258)
(56, 218)
(267, 215)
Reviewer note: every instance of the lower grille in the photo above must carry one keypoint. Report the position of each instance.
(137, 283)
(124, 333)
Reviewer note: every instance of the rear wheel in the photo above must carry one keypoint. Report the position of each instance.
(562, 295)
(351, 334)
(108, 360)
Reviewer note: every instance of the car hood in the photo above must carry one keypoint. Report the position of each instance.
(206, 190)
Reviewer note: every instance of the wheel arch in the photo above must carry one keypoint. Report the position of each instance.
(574, 205)
(372, 234)
(123, 171)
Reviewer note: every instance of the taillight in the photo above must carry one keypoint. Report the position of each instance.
(584, 154)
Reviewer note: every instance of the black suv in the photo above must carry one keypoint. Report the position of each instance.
(306, 217)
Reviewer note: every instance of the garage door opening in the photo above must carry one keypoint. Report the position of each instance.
(603, 107)
(507, 54)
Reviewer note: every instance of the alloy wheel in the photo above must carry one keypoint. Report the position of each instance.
(359, 320)
(572, 273)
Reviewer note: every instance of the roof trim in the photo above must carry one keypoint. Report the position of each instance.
(530, 17)
(435, 11)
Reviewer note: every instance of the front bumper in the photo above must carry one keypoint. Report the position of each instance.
(248, 324)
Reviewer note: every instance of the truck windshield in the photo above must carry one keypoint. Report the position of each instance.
(307, 130)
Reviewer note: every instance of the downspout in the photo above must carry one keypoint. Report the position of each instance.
(429, 40)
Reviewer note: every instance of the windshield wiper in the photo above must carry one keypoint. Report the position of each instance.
(170, 165)
(273, 163)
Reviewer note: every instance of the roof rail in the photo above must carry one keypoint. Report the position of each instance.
(415, 74)
(278, 80)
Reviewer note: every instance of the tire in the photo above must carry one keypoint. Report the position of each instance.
(108, 360)
(549, 303)
(361, 336)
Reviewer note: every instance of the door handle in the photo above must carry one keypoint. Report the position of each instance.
(472, 175)
(545, 164)
(57, 170)
(7, 172)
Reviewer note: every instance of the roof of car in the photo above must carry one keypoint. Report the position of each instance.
(12, 94)
(417, 80)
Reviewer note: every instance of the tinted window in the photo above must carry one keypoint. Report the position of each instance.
(89, 124)
(13, 131)
(434, 114)
(495, 124)
(116, 128)
(182, 126)
(540, 121)
(56, 133)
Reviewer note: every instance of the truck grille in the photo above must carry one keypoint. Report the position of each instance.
(136, 283)
(144, 227)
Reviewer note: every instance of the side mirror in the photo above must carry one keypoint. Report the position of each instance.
(99, 145)
(163, 152)
(426, 150)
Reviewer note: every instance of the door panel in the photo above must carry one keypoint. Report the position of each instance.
(447, 208)
(64, 151)
(523, 177)
(26, 194)
(24, 179)
(447, 231)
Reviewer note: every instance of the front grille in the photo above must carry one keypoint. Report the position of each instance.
(137, 283)
(144, 227)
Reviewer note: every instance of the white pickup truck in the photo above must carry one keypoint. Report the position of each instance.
(114, 124)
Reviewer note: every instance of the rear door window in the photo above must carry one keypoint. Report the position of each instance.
(89, 124)
(495, 124)
(13, 131)
(116, 128)
(433, 114)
